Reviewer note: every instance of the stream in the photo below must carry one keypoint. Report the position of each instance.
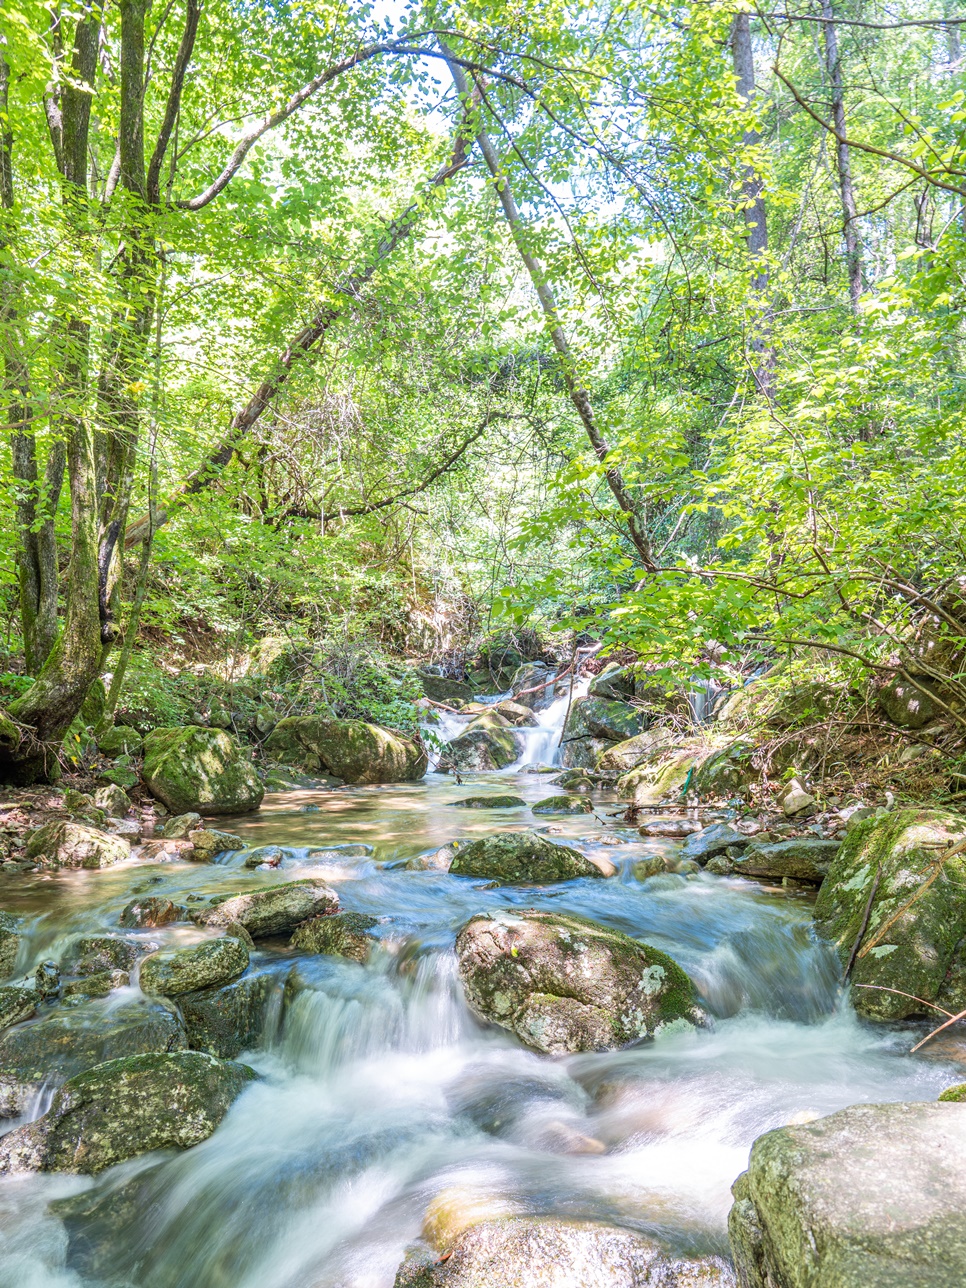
(379, 1091)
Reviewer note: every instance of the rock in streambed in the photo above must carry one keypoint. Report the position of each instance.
(562, 983)
(271, 910)
(521, 857)
(185, 970)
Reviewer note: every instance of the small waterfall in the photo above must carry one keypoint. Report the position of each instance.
(542, 742)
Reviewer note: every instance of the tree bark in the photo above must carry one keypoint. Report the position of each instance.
(579, 396)
(833, 66)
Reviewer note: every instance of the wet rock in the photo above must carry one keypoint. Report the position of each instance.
(151, 912)
(872, 1195)
(271, 910)
(75, 845)
(562, 983)
(575, 780)
(518, 715)
(201, 770)
(802, 858)
(915, 940)
(60, 1045)
(120, 740)
(532, 685)
(521, 856)
(209, 842)
(489, 802)
(178, 827)
(17, 1004)
(165, 851)
(670, 827)
(483, 745)
(124, 1108)
(583, 753)
(352, 750)
(90, 954)
(655, 866)
(720, 866)
(603, 718)
(185, 970)
(268, 855)
(96, 984)
(112, 800)
(621, 757)
(438, 861)
(47, 979)
(550, 1252)
(11, 938)
(562, 805)
(227, 1020)
(712, 840)
(343, 935)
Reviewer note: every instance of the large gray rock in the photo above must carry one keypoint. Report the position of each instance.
(75, 845)
(271, 910)
(352, 750)
(912, 705)
(725, 773)
(802, 858)
(713, 840)
(521, 856)
(487, 743)
(185, 970)
(61, 1045)
(603, 718)
(200, 770)
(562, 983)
(439, 688)
(583, 753)
(915, 940)
(554, 1252)
(871, 1197)
(124, 1108)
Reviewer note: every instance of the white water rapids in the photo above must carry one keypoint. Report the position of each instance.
(379, 1091)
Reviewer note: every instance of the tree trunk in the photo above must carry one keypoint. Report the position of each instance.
(579, 396)
(833, 66)
(755, 214)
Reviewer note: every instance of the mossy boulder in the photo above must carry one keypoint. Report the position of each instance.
(562, 983)
(178, 827)
(122, 776)
(575, 780)
(17, 1004)
(346, 934)
(113, 800)
(483, 745)
(663, 777)
(871, 1197)
(207, 842)
(63, 1044)
(229, 1019)
(489, 802)
(912, 705)
(124, 1108)
(271, 910)
(615, 682)
(76, 845)
(352, 750)
(185, 970)
(120, 740)
(915, 941)
(730, 771)
(620, 758)
(603, 718)
(583, 753)
(91, 954)
(202, 770)
(955, 1095)
(516, 713)
(11, 937)
(521, 857)
(439, 688)
(562, 805)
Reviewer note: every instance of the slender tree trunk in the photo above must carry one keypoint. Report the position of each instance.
(755, 214)
(833, 66)
(579, 396)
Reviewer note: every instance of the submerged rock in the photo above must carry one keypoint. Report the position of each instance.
(343, 935)
(521, 856)
(489, 802)
(11, 938)
(562, 983)
(185, 970)
(915, 940)
(61, 1045)
(562, 805)
(352, 750)
(75, 845)
(124, 1108)
(556, 1252)
(200, 770)
(802, 858)
(871, 1197)
(271, 910)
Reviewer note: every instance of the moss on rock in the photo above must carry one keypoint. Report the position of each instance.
(521, 857)
(271, 910)
(563, 983)
(11, 937)
(203, 770)
(185, 970)
(343, 935)
(124, 1108)
(914, 941)
(353, 750)
(17, 1004)
(483, 745)
(562, 805)
(75, 845)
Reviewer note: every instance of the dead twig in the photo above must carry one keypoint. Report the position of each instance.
(864, 927)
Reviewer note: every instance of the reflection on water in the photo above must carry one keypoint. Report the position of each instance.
(379, 1090)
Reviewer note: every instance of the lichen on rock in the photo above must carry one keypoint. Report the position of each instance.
(200, 770)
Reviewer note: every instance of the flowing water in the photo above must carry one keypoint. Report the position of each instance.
(379, 1092)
